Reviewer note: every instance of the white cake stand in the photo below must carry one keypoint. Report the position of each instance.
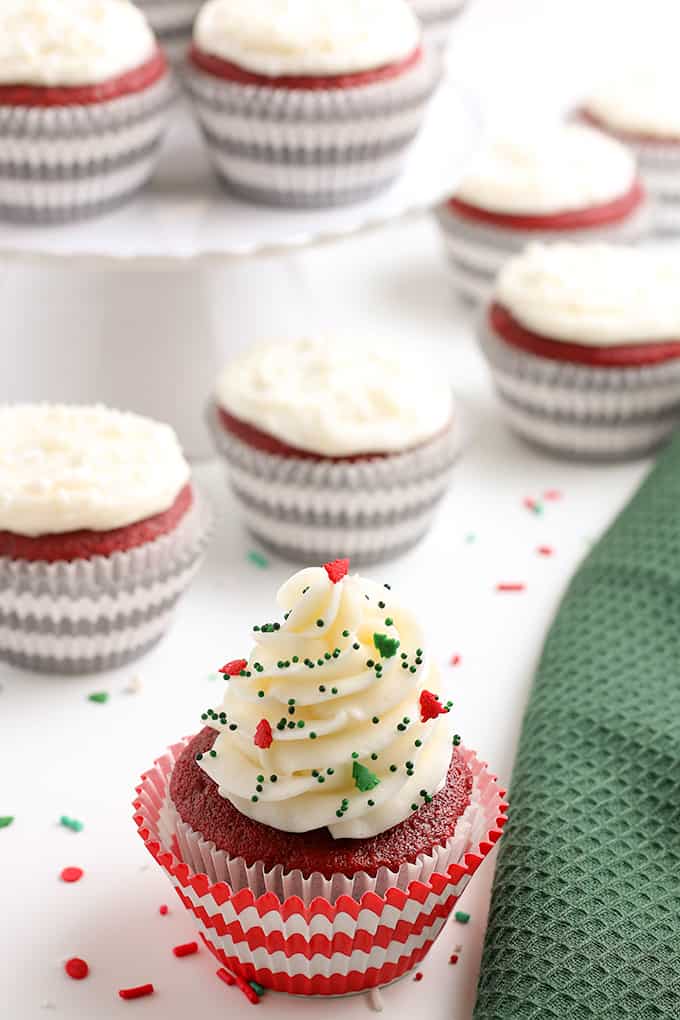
(138, 309)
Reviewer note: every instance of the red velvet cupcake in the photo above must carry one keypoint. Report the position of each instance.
(84, 100)
(101, 530)
(324, 793)
(310, 104)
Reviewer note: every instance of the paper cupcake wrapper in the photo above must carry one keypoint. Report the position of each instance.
(437, 17)
(311, 148)
(95, 614)
(580, 410)
(65, 162)
(314, 944)
(172, 22)
(659, 164)
(312, 510)
(476, 252)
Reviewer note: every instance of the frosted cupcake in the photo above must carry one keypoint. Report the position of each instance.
(640, 108)
(584, 348)
(172, 21)
(437, 17)
(323, 823)
(563, 182)
(101, 530)
(335, 448)
(309, 104)
(84, 101)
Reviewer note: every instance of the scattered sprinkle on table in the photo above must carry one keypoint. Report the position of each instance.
(375, 1000)
(511, 586)
(6, 821)
(136, 993)
(187, 949)
(552, 495)
(244, 986)
(470, 537)
(163, 909)
(418, 976)
(453, 958)
(134, 685)
(258, 559)
(545, 550)
(99, 697)
(534, 505)
(461, 917)
(76, 968)
(71, 823)
(455, 660)
(224, 975)
(71, 874)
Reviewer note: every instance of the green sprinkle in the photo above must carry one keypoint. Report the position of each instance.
(334, 690)
(355, 754)
(291, 725)
(213, 754)
(257, 988)
(99, 697)
(456, 739)
(259, 787)
(322, 689)
(338, 814)
(364, 779)
(387, 646)
(370, 663)
(233, 726)
(273, 778)
(374, 756)
(461, 917)
(199, 756)
(258, 559)
(375, 720)
(330, 772)
(301, 724)
(319, 623)
(345, 633)
(254, 798)
(371, 803)
(381, 605)
(6, 821)
(414, 807)
(356, 646)
(260, 779)
(393, 768)
(312, 735)
(412, 669)
(260, 694)
(389, 621)
(418, 743)
(296, 658)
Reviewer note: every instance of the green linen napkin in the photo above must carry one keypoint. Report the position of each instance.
(585, 915)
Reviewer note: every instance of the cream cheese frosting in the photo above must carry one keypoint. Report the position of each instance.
(594, 294)
(71, 42)
(643, 101)
(336, 686)
(295, 37)
(337, 398)
(543, 170)
(67, 468)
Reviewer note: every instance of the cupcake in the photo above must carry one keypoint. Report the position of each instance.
(84, 101)
(436, 17)
(309, 104)
(172, 21)
(641, 110)
(583, 342)
(321, 825)
(565, 182)
(101, 530)
(335, 447)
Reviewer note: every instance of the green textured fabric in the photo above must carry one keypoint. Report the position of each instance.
(585, 914)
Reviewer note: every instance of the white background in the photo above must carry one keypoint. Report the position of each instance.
(61, 754)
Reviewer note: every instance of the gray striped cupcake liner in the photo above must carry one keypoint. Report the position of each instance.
(310, 510)
(94, 614)
(437, 18)
(311, 148)
(64, 163)
(172, 22)
(659, 164)
(583, 411)
(476, 252)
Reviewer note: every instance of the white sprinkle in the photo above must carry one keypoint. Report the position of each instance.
(134, 685)
(375, 1000)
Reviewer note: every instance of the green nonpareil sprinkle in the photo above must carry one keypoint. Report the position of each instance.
(387, 646)
(258, 559)
(461, 917)
(389, 621)
(364, 779)
(6, 821)
(257, 988)
(345, 633)
(456, 740)
(99, 697)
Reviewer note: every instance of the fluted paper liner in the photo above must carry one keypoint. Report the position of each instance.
(314, 936)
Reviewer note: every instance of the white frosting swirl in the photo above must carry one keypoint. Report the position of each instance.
(549, 170)
(353, 706)
(643, 101)
(71, 42)
(296, 37)
(596, 294)
(68, 468)
(339, 398)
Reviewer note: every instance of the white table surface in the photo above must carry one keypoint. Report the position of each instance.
(61, 754)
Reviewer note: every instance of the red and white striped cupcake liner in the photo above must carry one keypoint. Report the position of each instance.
(312, 944)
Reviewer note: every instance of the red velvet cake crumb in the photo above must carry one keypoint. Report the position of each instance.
(82, 545)
(515, 334)
(200, 805)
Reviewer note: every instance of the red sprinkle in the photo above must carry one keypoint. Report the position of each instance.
(455, 660)
(336, 570)
(511, 586)
(71, 874)
(418, 977)
(430, 706)
(552, 495)
(264, 737)
(232, 979)
(454, 958)
(187, 949)
(545, 550)
(225, 976)
(136, 993)
(163, 909)
(234, 667)
(76, 968)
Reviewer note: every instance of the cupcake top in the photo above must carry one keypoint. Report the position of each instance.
(70, 468)
(337, 399)
(543, 170)
(334, 720)
(643, 101)
(71, 42)
(593, 294)
(295, 37)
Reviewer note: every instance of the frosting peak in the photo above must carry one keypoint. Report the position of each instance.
(333, 721)
(71, 42)
(295, 37)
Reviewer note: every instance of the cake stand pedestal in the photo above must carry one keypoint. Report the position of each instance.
(140, 308)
